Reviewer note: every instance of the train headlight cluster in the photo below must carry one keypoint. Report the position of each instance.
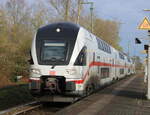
(71, 71)
(35, 71)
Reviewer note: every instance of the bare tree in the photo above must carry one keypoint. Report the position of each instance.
(108, 31)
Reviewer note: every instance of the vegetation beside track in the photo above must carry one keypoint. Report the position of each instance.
(14, 95)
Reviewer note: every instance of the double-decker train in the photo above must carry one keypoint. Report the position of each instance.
(67, 60)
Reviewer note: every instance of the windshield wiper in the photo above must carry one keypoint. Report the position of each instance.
(53, 59)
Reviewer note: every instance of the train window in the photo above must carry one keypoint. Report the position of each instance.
(121, 56)
(53, 51)
(100, 45)
(129, 59)
(81, 59)
(128, 70)
(103, 46)
(109, 49)
(106, 48)
(104, 72)
(121, 71)
(98, 42)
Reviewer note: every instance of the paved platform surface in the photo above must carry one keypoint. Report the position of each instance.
(126, 97)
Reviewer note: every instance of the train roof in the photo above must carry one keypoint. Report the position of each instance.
(59, 29)
(60, 25)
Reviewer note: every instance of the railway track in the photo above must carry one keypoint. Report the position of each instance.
(38, 108)
(21, 109)
(26, 110)
(35, 108)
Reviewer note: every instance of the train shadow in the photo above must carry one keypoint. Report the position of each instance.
(56, 104)
(126, 94)
(136, 90)
(132, 94)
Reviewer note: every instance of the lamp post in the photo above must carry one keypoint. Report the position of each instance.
(79, 10)
(91, 10)
(67, 9)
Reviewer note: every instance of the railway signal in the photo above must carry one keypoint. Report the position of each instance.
(146, 47)
(145, 25)
(137, 41)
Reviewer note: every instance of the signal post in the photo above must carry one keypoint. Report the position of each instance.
(145, 25)
(148, 74)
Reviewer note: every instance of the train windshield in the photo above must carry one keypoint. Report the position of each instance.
(53, 51)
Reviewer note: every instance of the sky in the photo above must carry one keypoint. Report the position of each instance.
(130, 14)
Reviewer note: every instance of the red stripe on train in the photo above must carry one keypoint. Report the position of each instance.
(97, 64)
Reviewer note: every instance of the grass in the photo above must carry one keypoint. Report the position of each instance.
(14, 95)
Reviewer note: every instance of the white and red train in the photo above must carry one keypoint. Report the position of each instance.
(66, 59)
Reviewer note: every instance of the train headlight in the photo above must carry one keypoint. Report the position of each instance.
(35, 71)
(71, 71)
(58, 30)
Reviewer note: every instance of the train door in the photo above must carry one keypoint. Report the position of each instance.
(85, 66)
(113, 72)
(92, 68)
(98, 67)
(93, 60)
(115, 66)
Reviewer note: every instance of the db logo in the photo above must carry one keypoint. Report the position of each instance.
(52, 72)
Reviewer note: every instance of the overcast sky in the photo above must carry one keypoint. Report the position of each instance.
(128, 12)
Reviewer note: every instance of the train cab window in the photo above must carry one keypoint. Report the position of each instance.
(81, 59)
(53, 51)
(104, 72)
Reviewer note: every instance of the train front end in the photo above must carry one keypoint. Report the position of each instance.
(51, 71)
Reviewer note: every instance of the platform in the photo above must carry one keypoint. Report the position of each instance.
(126, 97)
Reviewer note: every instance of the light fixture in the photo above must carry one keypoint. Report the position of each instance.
(58, 30)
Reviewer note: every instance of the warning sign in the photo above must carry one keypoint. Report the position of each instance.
(145, 25)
